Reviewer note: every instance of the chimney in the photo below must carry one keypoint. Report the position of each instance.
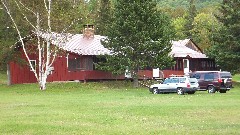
(88, 31)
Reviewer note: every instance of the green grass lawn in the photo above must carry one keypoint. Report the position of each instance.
(115, 108)
(236, 77)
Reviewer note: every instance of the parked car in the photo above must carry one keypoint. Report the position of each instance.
(213, 81)
(180, 85)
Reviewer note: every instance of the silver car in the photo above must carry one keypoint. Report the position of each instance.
(179, 85)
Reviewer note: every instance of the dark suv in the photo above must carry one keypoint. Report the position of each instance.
(213, 81)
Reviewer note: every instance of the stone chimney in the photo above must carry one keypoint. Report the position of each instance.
(88, 31)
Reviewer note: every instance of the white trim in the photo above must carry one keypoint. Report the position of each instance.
(186, 66)
(67, 59)
(33, 64)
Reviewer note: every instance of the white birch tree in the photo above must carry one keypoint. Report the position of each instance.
(46, 53)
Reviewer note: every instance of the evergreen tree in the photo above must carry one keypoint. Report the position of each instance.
(226, 48)
(189, 18)
(139, 37)
(104, 16)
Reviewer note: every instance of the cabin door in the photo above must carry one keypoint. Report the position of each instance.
(186, 66)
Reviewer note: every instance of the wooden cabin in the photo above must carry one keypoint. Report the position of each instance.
(189, 57)
(81, 51)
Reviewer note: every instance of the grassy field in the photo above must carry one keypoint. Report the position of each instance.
(114, 108)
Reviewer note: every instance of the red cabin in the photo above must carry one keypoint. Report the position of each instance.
(77, 63)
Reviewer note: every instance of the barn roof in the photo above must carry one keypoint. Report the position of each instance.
(180, 49)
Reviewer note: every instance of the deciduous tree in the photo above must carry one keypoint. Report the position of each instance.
(40, 21)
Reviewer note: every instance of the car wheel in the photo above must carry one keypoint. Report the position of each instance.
(211, 89)
(155, 90)
(180, 91)
(223, 91)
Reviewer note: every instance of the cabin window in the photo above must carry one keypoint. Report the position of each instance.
(203, 64)
(185, 62)
(33, 63)
(179, 65)
(74, 64)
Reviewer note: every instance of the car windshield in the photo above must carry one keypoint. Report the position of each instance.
(167, 80)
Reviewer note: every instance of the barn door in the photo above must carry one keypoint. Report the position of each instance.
(186, 66)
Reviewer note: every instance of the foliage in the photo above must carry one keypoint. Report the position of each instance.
(204, 25)
(189, 18)
(185, 3)
(104, 16)
(101, 108)
(8, 36)
(139, 37)
(178, 24)
(226, 48)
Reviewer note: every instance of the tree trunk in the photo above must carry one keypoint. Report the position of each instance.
(135, 78)
(42, 82)
(135, 82)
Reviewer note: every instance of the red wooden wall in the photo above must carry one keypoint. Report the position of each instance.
(22, 74)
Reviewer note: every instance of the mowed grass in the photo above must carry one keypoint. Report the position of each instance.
(112, 108)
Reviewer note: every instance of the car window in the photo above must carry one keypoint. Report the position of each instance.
(182, 80)
(225, 75)
(197, 76)
(209, 76)
(168, 80)
(175, 80)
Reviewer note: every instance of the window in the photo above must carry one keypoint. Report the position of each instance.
(197, 76)
(209, 76)
(175, 80)
(74, 64)
(168, 80)
(203, 64)
(179, 65)
(33, 63)
(182, 80)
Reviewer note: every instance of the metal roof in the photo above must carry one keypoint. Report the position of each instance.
(179, 49)
(92, 46)
(78, 43)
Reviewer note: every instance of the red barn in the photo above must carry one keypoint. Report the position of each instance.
(81, 50)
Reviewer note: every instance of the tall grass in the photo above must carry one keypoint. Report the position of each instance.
(115, 108)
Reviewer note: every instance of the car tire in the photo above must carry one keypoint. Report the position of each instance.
(155, 91)
(180, 91)
(223, 91)
(211, 89)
